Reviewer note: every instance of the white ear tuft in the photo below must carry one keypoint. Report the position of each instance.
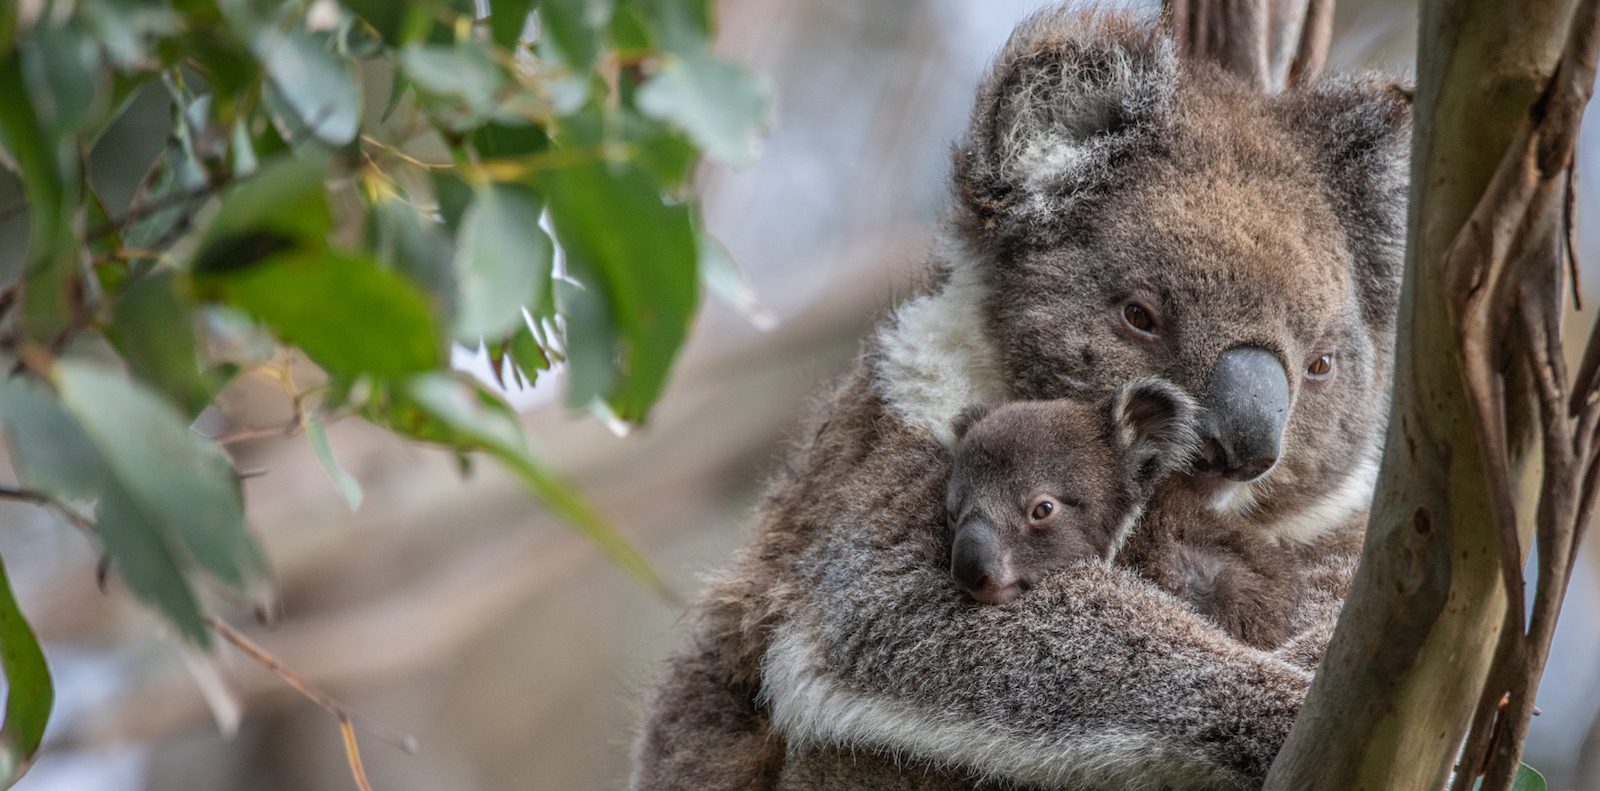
(1067, 84)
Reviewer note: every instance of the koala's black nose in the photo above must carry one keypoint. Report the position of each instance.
(979, 566)
(1246, 404)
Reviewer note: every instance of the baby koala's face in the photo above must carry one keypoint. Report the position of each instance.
(1037, 486)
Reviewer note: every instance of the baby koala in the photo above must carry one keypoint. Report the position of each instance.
(1038, 485)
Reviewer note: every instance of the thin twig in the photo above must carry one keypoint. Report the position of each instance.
(353, 753)
(48, 502)
(257, 432)
(403, 741)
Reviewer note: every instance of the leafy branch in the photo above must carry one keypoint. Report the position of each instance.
(240, 247)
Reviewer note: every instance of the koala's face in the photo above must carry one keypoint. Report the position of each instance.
(1246, 248)
(1239, 299)
(1033, 490)
(1037, 486)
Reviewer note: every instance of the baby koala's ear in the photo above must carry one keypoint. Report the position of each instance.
(1155, 426)
(968, 418)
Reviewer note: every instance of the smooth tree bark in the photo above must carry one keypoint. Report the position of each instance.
(1490, 443)
(1273, 43)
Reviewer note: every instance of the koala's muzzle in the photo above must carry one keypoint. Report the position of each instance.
(979, 565)
(1246, 404)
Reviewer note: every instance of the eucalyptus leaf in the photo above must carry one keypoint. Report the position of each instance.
(180, 483)
(528, 354)
(29, 691)
(464, 76)
(571, 27)
(639, 250)
(1528, 779)
(502, 261)
(347, 314)
(507, 18)
(415, 245)
(62, 67)
(387, 17)
(722, 106)
(138, 547)
(349, 488)
(285, 200)
(590, 341)
(48, 448)
(126, 27)
(153, 328)
(315, 83)
(723, 279)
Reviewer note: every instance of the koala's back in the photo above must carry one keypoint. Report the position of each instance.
(1232, 572)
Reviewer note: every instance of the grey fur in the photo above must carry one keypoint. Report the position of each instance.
(834, 653)
(1095, 468)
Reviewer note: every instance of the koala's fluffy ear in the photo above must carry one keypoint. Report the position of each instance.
(1155, 427)
(1065, 93)
(968, 418)
(1359, 131)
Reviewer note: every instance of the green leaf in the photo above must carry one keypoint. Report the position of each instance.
(502, 261)
(48, 448)
(315, 83)
(243, 149)
(623, 239)
(358, 39)
(126, 27)
(348, 486)
(415, 246)
(346, 313)
(139, 548)
(49, 184)
(571, 28)
(482, 419)
(285, 200)
(527, 354)
(62, 67)
(682, 27)
(662, 150)
(590, 341)
(29, 692)
(1527, 779)
(495, 140)
(453, 195)
(181, 483)
(386, 16)
(723, 279)
(464, 77)
(153, 328)
(506, 20)
(722, 106)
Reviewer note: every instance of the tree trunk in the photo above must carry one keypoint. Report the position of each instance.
(1461, 492)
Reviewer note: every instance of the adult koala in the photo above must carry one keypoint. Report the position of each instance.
(1119, 214)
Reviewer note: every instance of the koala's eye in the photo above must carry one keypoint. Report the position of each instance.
(1321, 367)
(1042, 511)
(1139, 319)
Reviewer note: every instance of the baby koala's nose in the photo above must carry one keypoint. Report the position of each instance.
(980, 568)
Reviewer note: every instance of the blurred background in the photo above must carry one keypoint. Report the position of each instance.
(451, 608)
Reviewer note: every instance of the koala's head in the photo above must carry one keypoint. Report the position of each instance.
(1038, 485)
(1130, 215)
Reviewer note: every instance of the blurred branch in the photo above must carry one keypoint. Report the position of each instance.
(44, 500)
(347, 718)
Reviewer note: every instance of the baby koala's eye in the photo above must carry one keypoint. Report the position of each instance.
(1043, 508)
